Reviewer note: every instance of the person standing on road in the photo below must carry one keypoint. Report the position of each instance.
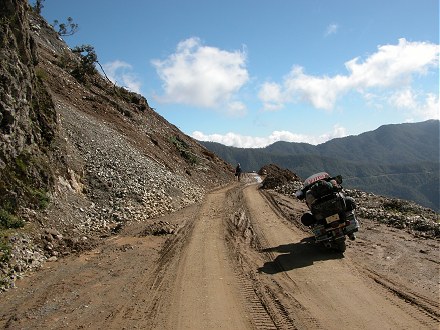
(238, 172)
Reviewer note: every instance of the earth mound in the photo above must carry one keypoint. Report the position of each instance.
(274, 176)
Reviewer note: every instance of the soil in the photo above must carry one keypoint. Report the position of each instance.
(238, 260)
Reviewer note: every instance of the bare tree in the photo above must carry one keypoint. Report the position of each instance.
(66, 29)
(38, 5)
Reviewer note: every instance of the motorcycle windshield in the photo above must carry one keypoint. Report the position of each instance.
(316, 177)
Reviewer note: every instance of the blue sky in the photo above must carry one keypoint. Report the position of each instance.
(249, 73)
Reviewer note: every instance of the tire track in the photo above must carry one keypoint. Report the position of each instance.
(429, 307)
(267, 309)
(319, 289)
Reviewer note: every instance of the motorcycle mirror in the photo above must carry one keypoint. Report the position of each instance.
(338, 179)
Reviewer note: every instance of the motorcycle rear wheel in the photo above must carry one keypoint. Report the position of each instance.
(340, 246)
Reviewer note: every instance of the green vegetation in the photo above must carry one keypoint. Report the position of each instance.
(23, 183)
(8, 220)
(41, 74)
(5, 250)
(183, 148)
(86, 67)
(21, 164)
(43, 115)
(64, 60)
(41, 198)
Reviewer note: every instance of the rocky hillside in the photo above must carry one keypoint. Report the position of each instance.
(80, 157)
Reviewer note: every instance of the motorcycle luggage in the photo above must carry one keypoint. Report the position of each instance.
(350, 203)
(330, 205)
(318, 190)
(321, 189)
(353, 225)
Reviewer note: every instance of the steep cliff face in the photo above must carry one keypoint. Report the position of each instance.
(42, 100)
(27, 113)
(79, 156)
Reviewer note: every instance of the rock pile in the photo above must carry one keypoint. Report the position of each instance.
(125, 185)
(159, 228)
(393, 212)
(397, 213)
(24, 256)
(28, 253)
(276, 176)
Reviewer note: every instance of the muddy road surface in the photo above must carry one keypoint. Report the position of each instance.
(234, 262)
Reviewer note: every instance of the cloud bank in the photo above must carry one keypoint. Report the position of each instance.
(391, 67)
(242, 141)
(203, 76)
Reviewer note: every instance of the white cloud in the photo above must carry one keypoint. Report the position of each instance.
(243, 141)
(321, 92)
(423, 106)
(404, 99)
(338, 132)
(202, 76)
(392, 66)
(120, 73)
(271, 95)
(331, 29)
(430, 108)
(236, 109)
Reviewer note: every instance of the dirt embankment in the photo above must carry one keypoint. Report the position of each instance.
(234, 261)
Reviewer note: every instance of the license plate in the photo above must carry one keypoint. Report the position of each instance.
(332, 218)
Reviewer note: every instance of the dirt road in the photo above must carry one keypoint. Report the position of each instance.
(234, 263)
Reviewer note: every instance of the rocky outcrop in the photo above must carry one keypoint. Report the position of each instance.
(27, 115)
(17, 60)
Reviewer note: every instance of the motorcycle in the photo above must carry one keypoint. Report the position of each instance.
(332, 215)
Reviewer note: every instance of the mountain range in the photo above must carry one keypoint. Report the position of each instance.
(397, 160)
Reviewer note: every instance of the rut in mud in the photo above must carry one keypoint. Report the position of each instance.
(235, 262)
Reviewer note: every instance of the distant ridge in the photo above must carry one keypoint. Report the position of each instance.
(397, 160)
